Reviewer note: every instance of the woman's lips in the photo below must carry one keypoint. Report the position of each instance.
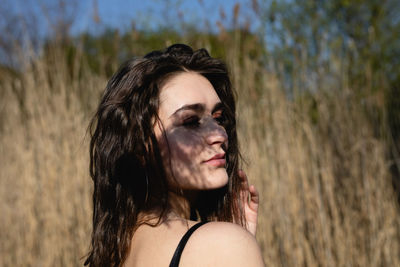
(217, 161)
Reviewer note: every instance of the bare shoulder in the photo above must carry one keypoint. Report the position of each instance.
(222, 244)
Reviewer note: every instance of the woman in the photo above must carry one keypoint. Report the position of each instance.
(163, 156)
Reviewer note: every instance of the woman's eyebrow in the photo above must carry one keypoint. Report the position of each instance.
(196, 107)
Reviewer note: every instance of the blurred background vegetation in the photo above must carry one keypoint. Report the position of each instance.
(318, 86)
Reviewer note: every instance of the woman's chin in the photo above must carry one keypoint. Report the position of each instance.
(217, 180)
(204, 180)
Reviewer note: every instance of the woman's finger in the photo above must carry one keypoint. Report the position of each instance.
(249, 199)
(254, 198)
(254, 193)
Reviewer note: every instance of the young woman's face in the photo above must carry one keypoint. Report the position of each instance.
(191, 114)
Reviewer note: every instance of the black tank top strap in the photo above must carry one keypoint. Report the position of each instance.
(178, 252)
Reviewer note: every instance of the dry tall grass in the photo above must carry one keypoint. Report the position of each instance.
(45, 189)
(326, 192)
(326, 197)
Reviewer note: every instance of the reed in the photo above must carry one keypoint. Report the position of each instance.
(322, 173)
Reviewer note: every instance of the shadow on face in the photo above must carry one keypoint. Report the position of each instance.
(190, 134)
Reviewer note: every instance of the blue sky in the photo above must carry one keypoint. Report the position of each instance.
(151, 13)
(122, 13)
(32, 21)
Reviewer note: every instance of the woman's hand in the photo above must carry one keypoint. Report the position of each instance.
(249, 198)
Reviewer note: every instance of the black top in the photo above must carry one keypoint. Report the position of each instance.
(178, 252)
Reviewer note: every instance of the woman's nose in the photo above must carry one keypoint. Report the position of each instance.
(215, 133)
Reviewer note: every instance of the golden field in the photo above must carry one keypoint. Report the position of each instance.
(322, 173)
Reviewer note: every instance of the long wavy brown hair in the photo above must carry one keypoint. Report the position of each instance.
(125, 160)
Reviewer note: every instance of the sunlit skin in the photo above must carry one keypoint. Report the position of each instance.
(192, 142)
(191, 116)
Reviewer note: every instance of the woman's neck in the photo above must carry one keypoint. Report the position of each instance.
(181, 203)
(179, 208)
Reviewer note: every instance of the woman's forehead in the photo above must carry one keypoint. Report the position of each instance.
(187, 88)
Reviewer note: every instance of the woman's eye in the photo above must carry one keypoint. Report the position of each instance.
(219, 118)
(191, 122)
